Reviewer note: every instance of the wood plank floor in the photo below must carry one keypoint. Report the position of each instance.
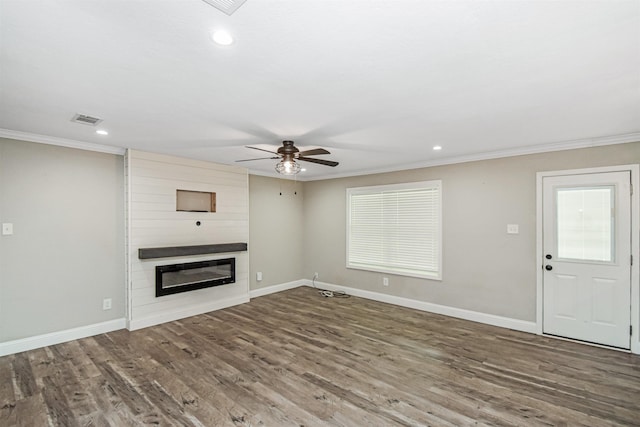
(298, 359)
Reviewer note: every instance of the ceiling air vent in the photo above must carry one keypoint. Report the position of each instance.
(226, 6)
(86, 120)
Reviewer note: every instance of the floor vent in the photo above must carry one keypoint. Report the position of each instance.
(226, 6)
(86, 120)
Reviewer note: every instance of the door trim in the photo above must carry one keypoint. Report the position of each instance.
(635, 243)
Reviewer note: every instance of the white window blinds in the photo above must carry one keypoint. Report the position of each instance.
(396, 229)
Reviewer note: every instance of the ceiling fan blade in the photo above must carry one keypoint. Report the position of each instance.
(261, 149)
(313, 152)
(261, 158)
(319, 161)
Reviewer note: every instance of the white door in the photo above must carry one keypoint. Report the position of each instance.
(587, 249)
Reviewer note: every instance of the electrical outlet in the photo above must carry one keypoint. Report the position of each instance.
(106, 304)
(385, 281)
(315, 275)
(7, 229)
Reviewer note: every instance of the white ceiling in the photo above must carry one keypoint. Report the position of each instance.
(377, 83)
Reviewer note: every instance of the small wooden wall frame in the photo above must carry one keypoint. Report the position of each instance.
(195, 201)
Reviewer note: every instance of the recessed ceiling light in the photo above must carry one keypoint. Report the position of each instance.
(303, 170)
(437, 148)
(102, 132)
(222, 37)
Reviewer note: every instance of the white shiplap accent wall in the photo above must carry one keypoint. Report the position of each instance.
(152, 181)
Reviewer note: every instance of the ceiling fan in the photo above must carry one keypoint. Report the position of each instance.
(288, 154)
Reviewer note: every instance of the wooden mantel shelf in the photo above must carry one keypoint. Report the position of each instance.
(175, 251)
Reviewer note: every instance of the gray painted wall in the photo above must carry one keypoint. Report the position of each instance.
(484, 268)
(68, 212)
(275, 230)
(67, 251)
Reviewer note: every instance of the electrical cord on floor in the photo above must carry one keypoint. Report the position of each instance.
(327, 293)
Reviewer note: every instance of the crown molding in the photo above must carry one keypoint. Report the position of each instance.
(489, 155)
(62, 142)
(512, 152)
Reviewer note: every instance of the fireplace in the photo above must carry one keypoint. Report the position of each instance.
(175, 278)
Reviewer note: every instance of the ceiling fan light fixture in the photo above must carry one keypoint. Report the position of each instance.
(287, 167)
(288, 154)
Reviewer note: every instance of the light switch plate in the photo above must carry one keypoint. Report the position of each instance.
(7, 228)
(513, 229)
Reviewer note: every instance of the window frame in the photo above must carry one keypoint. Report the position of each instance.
(612, 224)
(395, 188)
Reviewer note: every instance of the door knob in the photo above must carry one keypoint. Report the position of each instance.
(548, 267)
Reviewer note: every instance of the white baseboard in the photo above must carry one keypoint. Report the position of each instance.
(474, 316)
(193, 310)
(53, 338)
(255, 293)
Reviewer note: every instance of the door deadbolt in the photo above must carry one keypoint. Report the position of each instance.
(548, 256)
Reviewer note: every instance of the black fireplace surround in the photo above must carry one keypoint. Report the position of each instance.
(175, 278)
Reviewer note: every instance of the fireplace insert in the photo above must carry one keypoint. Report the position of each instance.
(175, 278)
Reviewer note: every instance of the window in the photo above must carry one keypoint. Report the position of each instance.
(585, 223)
(396, 229)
